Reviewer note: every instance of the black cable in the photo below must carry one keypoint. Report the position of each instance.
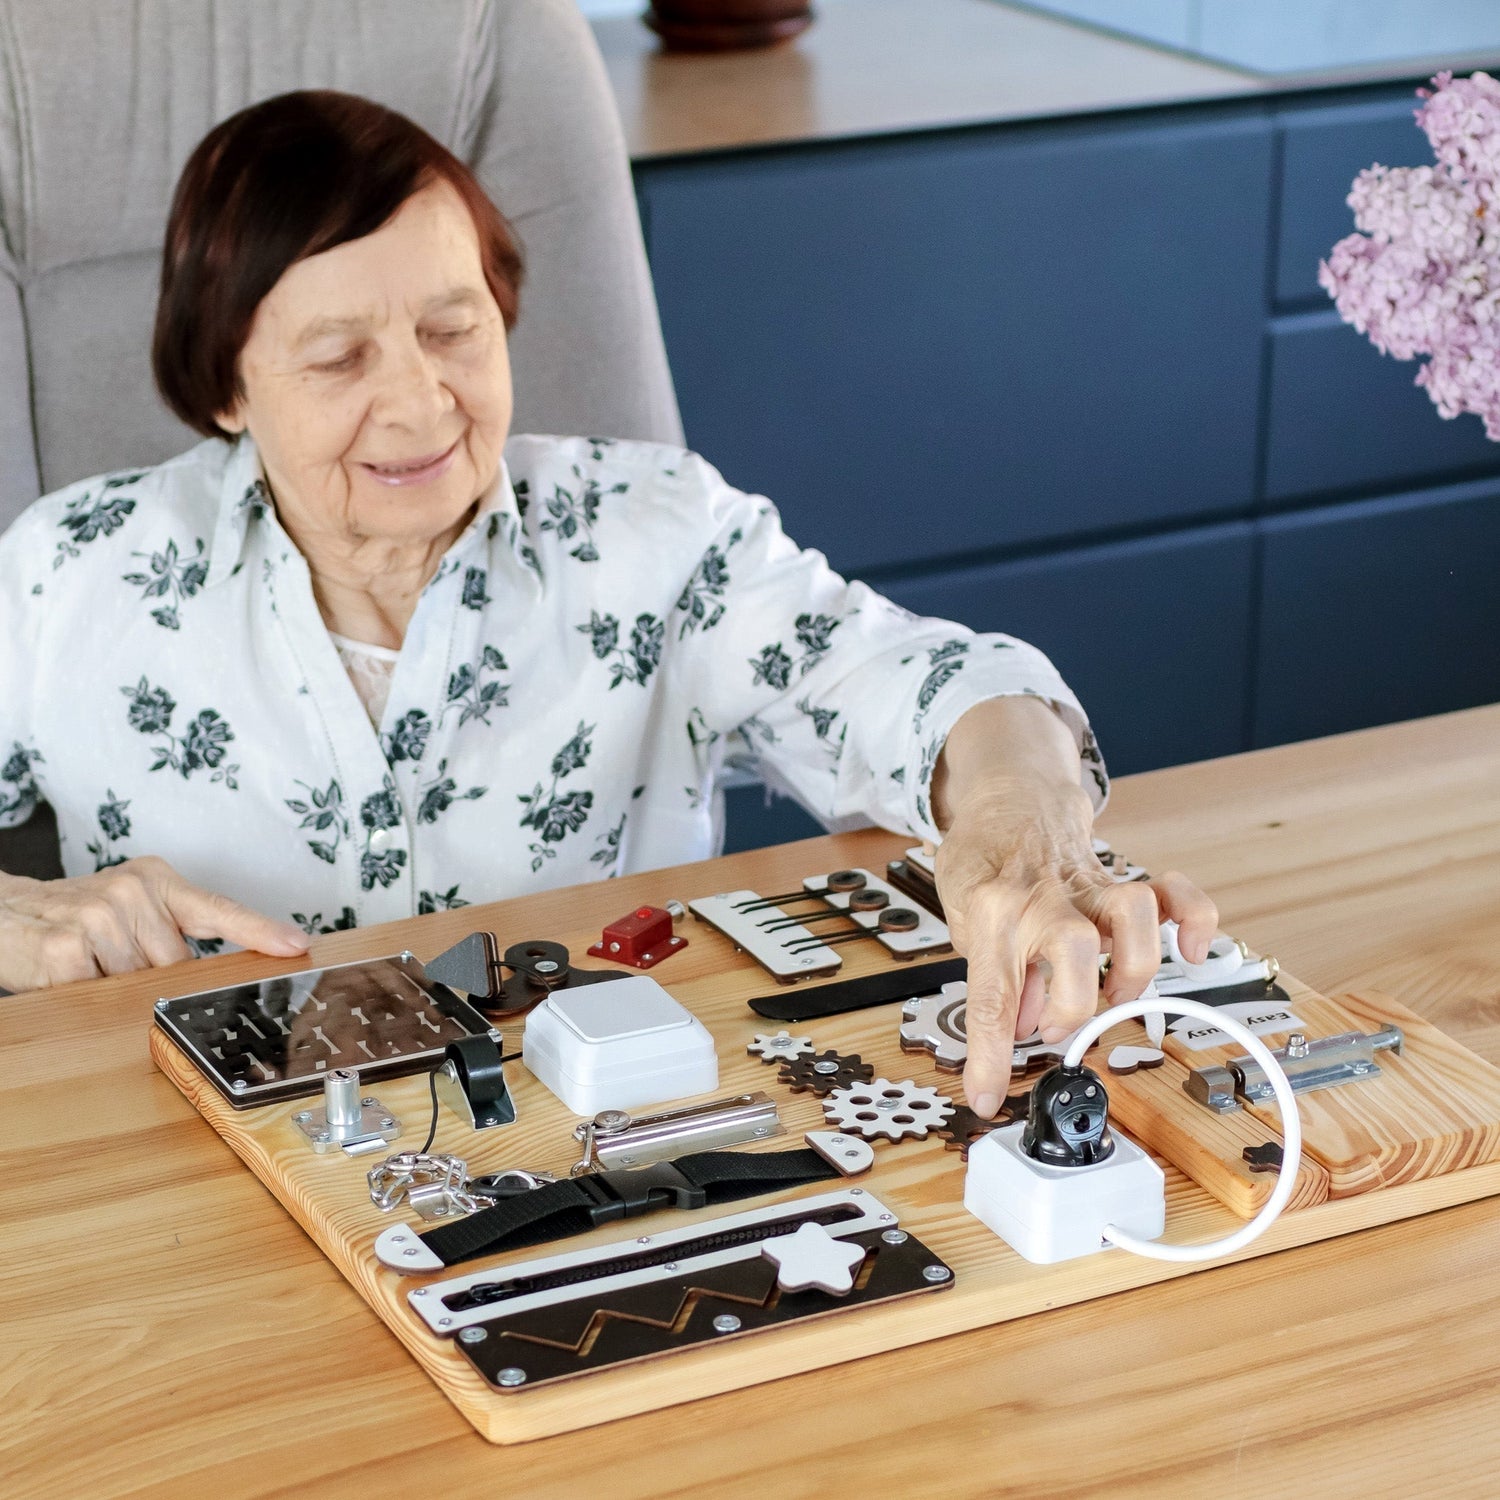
(505, 1057)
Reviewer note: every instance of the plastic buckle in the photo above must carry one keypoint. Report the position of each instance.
(626, 1194)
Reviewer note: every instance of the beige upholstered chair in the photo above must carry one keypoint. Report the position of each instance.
(100, 104)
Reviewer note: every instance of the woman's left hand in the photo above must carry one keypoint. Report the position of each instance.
(1021, 886)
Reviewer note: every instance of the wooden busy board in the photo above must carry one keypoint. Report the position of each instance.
(1423, 1136)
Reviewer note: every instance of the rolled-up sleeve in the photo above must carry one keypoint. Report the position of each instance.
(843, 698)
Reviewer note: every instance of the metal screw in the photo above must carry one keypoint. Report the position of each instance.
(671, 1265)
(726, 1323)
(627, 1161)
(161, 1005)
(935, 1273)
(494, 1034)
(239, 1085)
(894, 1236)
(322, 1137)
(1296, 1045)
(303, 1116)
(547, 966)
(367, 1103)
(645, 958)
(511, 1375)
(412, 1251)
(421, 1291)
(856, 1192)
(762, 1130)
(886, 1218)
(826, 1066)
(445, 1322)
(387, 1123)
(472, 1335)
(644, 1239)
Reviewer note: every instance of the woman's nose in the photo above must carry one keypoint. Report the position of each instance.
(412, 393)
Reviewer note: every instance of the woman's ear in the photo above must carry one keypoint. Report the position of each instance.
(231, 421)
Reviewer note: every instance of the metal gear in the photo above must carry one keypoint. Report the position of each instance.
(780, 1046)
(935, 1024)
(882, 1110)
(824, 1071)
(964, 1127)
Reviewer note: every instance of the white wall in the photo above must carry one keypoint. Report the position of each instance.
(593, 8)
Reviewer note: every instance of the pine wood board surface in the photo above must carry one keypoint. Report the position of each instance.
(170, 1331)
(920, 1181)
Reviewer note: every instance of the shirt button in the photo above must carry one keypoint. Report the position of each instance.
(382, 839)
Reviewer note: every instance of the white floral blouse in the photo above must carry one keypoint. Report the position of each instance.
(614, 624)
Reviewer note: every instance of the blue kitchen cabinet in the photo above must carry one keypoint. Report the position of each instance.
(1343, 417)
(931, 346)
(1322, 149)
(1153, 635)
(1377, 611)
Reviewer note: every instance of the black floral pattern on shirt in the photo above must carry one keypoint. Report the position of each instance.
(946, 661)
(471, 694)
(473, 595)
(92, 515)
(431, 901)
(438, 795)
(774, 665)
(201, 747)
(322, 810)
(555, 814)
(633, 663)
(19, 793)
(574, 513)
(315, 926)
(380, 811)
(702, 598)
(408, 737)
(170, 577)
(114, 825)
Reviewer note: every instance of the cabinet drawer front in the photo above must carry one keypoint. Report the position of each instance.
(1378, 611)
(1322, 150)
(1152, 635)
(1343, 416)
(923, 347)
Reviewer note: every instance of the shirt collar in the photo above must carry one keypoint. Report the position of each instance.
(245, 499)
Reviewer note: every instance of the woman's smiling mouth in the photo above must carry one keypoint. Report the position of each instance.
(413, 471)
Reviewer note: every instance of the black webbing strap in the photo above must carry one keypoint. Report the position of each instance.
(813, 1002)
(570, 1207)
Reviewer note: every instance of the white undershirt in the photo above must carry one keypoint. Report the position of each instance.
(370, 669)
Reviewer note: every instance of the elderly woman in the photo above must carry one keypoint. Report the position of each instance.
(361, 654)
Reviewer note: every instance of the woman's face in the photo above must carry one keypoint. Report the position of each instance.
(377, 381)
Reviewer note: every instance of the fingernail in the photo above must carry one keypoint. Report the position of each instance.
(987, 1105)
(294, 938)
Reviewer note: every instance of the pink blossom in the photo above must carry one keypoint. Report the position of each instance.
(1421, 274)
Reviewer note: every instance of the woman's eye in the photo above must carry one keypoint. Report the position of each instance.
(340, 366)
(453, 335)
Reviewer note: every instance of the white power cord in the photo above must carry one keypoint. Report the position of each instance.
(1286, 1103)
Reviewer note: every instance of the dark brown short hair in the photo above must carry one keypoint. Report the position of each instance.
(281, 181)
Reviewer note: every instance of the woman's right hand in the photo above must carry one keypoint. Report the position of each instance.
(130, 916)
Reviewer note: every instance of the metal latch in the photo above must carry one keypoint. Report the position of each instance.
(1323, 1064)
(614, 1138)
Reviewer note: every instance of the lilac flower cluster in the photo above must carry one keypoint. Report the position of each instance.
(1422, 277)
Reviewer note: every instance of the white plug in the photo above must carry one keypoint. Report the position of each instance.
(1047, 1213)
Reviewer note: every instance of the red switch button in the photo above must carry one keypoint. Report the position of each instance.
(641, 938)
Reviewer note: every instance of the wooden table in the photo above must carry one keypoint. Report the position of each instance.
(167, 1330)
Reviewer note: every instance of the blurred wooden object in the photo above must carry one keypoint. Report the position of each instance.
(727, 25)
